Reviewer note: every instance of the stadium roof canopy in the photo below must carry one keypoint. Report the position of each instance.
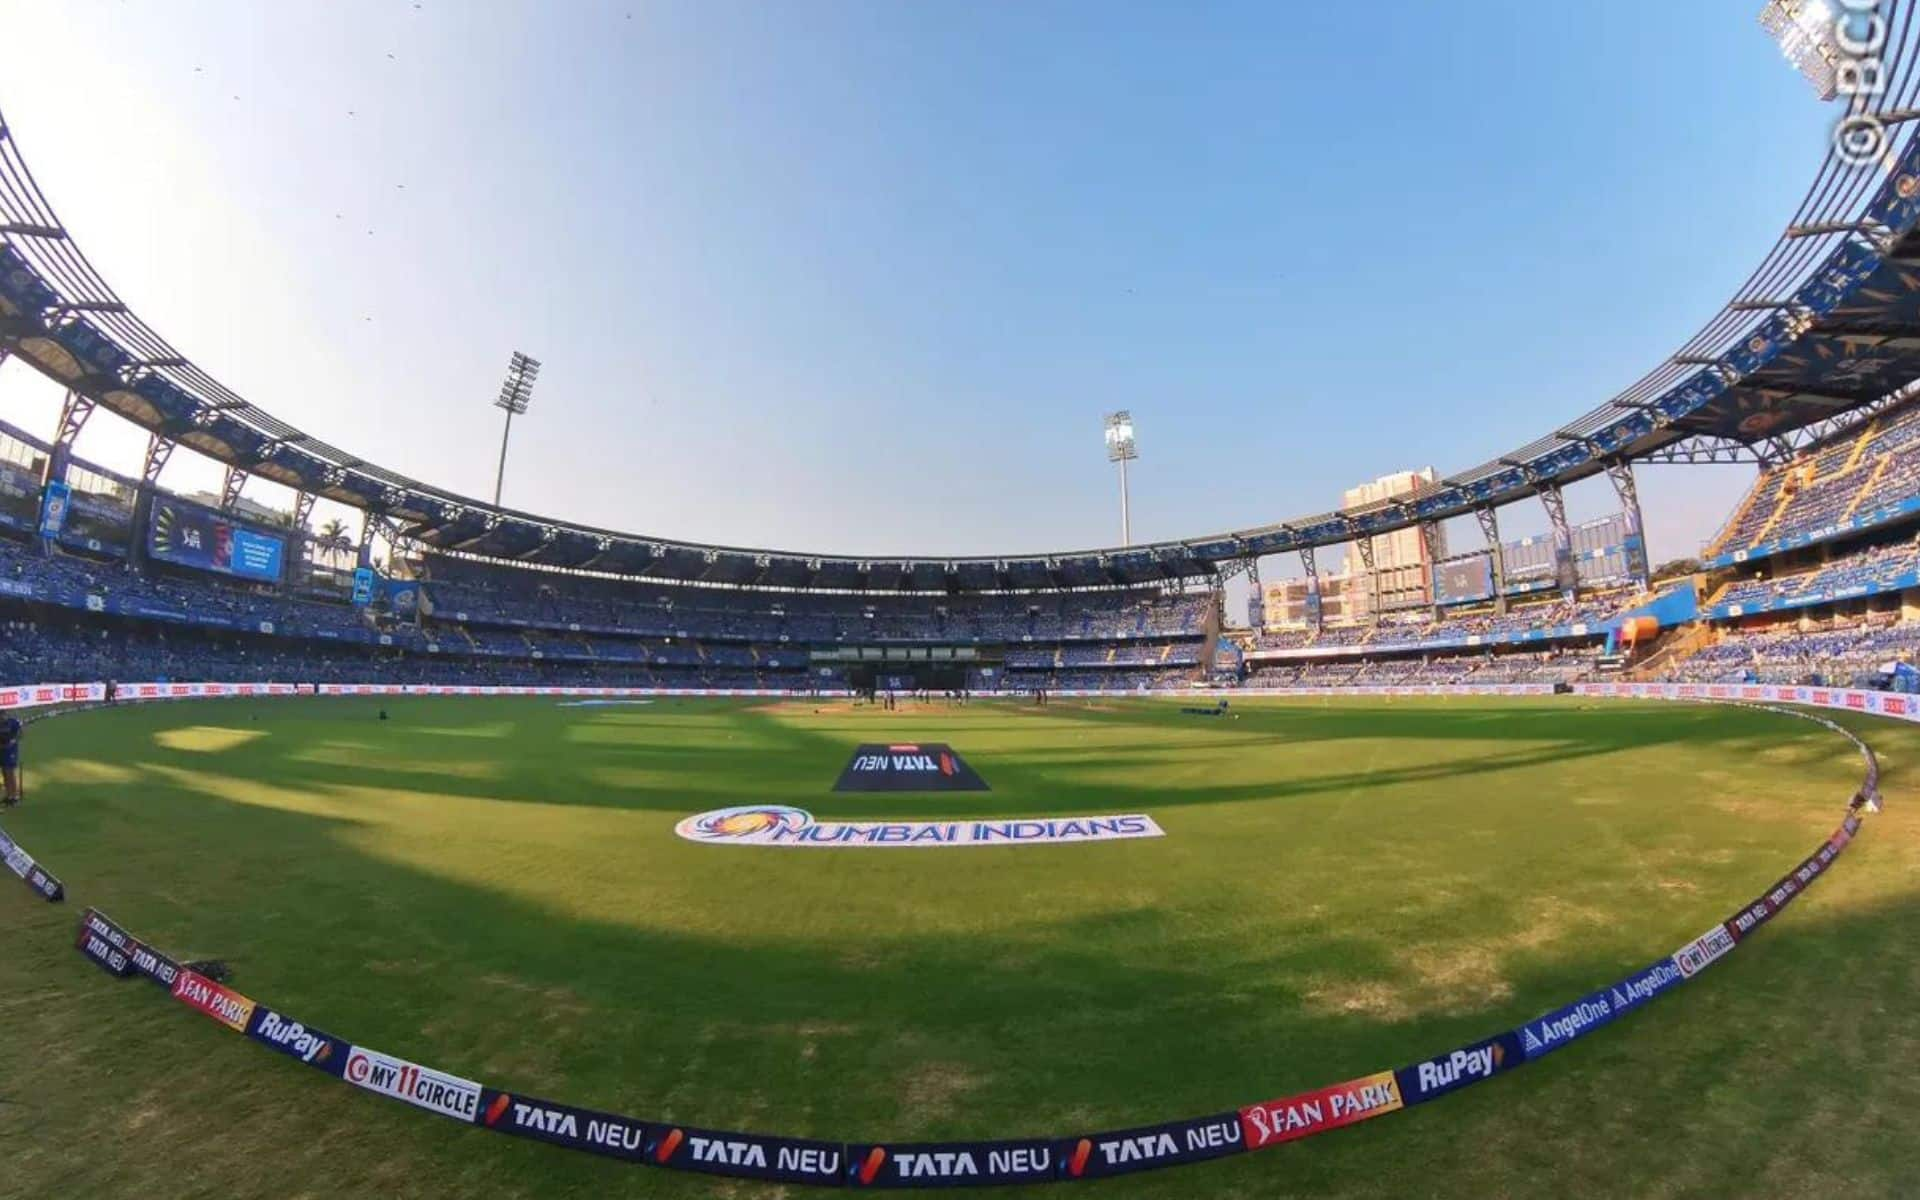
(1827, 325)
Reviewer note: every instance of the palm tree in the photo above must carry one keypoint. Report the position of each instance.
(333, 540)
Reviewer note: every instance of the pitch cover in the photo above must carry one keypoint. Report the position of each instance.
(908, 767)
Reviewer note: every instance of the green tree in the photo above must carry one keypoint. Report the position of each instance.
(333, 540)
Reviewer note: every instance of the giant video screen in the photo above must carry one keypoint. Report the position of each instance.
(191, 536)
(1463, 579)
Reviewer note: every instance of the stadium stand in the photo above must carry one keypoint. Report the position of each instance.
(509, 625)
(1817, 371)
(1862, 475)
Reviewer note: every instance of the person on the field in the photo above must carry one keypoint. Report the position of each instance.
(10, 758)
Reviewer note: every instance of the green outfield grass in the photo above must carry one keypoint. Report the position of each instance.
(493, 887)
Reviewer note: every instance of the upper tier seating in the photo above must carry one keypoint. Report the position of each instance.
(1857, 470)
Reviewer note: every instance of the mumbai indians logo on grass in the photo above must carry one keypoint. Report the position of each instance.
(783, 825)
(746, 823)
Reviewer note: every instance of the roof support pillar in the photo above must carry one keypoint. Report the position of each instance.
(1313, 587)
(1430, 542)
(235, 479)
(1365, 546)
(1620, 473)
(1556, 506)
(1256, 599)
(1490, 530)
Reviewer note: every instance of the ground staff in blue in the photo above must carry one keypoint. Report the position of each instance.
(10, 757)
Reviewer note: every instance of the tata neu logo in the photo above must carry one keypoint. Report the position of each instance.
(908, 767)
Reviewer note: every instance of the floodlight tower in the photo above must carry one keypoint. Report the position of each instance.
(1811, 33)
(516, 392)
(1122, 449)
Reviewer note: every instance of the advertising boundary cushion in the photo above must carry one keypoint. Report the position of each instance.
(42, 881)
(301, 1042)
(749, 1155)
(1150, 1147)
(1449, 1072)
(557, 1124)
(217, 1001)
(950, 1164)
(1291, 1118)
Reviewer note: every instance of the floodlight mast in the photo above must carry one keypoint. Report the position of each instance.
(1122, 449)
(516, 392)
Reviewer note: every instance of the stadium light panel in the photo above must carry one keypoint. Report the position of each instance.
(516, 393)
(1121, 448)
(1120, 443)
(1808, 34)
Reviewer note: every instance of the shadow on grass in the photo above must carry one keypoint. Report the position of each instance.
(1101, 1020)
(695, 756)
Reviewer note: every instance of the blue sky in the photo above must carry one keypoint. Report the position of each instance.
(864, 277)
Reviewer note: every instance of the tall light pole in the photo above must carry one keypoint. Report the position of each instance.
(516, 392)
(1121, 449)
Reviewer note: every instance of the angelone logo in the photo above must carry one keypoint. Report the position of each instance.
(780, 825)
(1637, 989)
(1543, 1035)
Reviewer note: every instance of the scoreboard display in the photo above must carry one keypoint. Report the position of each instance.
(1463, 579)
(190, 536)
